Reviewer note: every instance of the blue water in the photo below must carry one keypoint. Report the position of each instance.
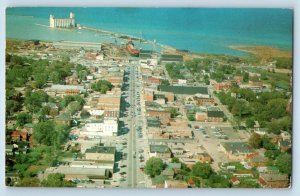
(198, 30)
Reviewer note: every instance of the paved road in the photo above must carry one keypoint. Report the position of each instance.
(132, 137)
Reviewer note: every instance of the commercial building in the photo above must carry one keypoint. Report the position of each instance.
(72, 173)
(237, 150)
(160, 151)
(184, 90)
(98, 128)
(101, 154)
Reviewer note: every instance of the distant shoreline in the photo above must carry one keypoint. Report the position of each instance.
(263, 51)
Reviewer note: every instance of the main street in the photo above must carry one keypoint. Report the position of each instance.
(132, 142)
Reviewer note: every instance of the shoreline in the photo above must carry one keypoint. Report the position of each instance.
(263, 51)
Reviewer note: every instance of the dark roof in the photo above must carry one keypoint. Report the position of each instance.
(159, 96)
(101, 149)
(215, 114)
(159, 148)
(188, 90)
(153, 122)
(237, 147)
(171, 57)
(146, 51)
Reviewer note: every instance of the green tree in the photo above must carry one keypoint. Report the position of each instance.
(250, 123)
(35, 100)
(255, 140)
(73, 107)
(173, 112)
(154, 166)
(29, 182)
(272, 154)
(23, 118)
(50, 134)
(284, 163)
(175, 160)
(218, 181)
(40, 79)
(84, 114)
(102, 86)
(57, 180)
(202, 170)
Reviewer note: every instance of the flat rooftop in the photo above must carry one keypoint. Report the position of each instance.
(187, 90)
(102, 149)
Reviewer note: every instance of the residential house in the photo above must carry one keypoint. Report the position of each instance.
(257, 161)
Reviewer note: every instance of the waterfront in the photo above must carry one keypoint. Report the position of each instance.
(213, 31)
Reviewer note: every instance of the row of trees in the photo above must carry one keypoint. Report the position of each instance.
(23, 69)
(268, 108)
(53, 180)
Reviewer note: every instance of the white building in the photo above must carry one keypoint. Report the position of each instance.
(100, 128)
(62, 22)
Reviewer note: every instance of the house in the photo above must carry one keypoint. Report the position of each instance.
(257, 161)
(234, 180)
(238, 79)
(222, 86)
(274, 180)
(19, 136)
(176, 167)
(175, 184)
(63, 118)
(160, 151)
(215, 116)
(237, 150)
(101, 153)
(284, 145)
(169, 173)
